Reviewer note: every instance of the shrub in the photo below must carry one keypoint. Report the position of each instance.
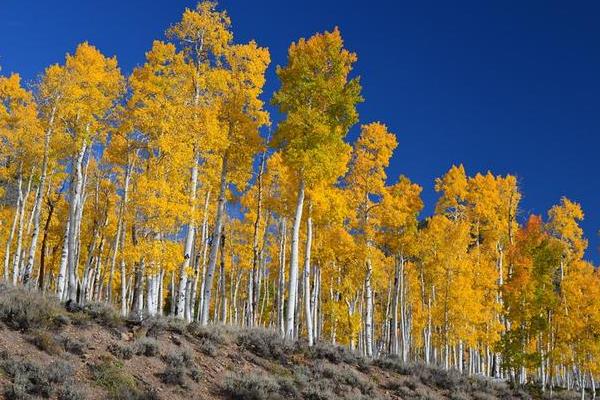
(334, 354)
(288, 388)
(425, 393)
(59, 372)
(395, 364)
(207, 347)
(216, 334)
(342, 376)
(313, 393)
(461, 395)
(158, 325)
(111, 376)
(121, 351)
(69, 392)
(16, 391)
(251, 387)
(177, 362)
(104, 314)
(45, 341)
(444, 379)
(319, 390)
(173, 375)
(146, 347)
(401, 389)
(24, 310)
(265, 343)
(26, 379)
(73, 345)
(195, 374)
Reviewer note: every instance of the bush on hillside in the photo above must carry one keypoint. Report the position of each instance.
(265, 343)
(22, 309)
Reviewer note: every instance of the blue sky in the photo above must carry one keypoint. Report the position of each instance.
(507, 86)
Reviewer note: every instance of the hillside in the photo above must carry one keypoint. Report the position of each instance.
(90, 353)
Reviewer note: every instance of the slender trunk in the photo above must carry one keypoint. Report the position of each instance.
(120, 234)
(17, 257)
(189, 245)
(307, 305)
(314, 303)
(74, 223)
(61, 282)
(138, 291)
(122, 238)
(42, 274)
(281, 276)
(253, 291)
(214, 249)
(13, 226)
(293, 278)
(368, 311)
(223, 280)
(201, 253)
(38, 202)
(405, 331)
(394, 348)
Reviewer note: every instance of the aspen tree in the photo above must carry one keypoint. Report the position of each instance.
(49, 98)
(204, 36)
(20, 131)
(242, 115)
(366, 182)
(94, 83)
(400, 206)
(319, 101)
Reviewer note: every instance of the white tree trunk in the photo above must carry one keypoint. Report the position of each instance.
(214, 247)
(281, 276)
(394, 348)
(122, 237)
(189, 245)
(368, 312)
(75, 223)
(61, 282)
(293, 278)
(37, 207)
(18, 250)
(13, 227)
(307, 294)
(120, 234)
(200, 258)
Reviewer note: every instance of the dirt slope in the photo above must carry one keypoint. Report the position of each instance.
(90, 353)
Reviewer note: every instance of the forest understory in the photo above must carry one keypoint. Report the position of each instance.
(47, 351)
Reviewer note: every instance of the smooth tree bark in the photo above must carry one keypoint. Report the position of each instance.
(253, 292)
(293, 278)
(189, 245)
(281, 276)
(43, 250)
(200, 257)
(75, 206)
(368, 326)
(120, 234)
(61, 282)
(223, 280)
(307, 294)
(214, 247)
(123, 236)
(17, 256)
(14, 224)
(394, 342)
(37, 207)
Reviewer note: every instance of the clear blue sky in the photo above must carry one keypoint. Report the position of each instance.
(507, 86)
